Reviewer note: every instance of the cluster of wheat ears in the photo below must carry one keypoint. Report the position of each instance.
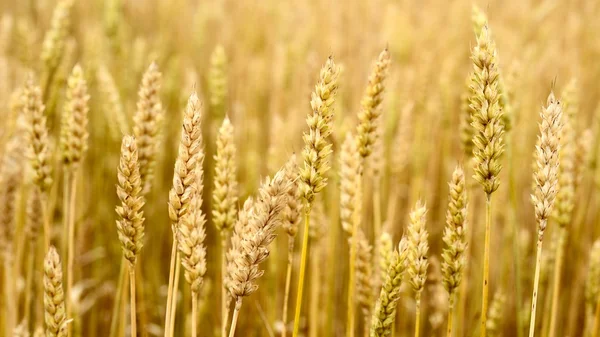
(395, 220)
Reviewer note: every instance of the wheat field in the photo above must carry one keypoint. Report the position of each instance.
(299, 168)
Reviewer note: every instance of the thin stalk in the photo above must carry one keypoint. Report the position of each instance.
(377, 224)
(132, 308)
(66, 203)
(351, 282)
(538, 262)
(486, 265)
(596, 319)
(315, 276)
(512, 193)
(194, 314)
(418, 317)
(303, 259)
(560, 251)
(141, 302)
(464, 285)
(10, 296)
(170, 287)
(236, 313)
(118, 299)
(174, 298)
(29, 283)
(71, 246)
(122, 306)
(288, 284)
(450, 315)
(223, 287)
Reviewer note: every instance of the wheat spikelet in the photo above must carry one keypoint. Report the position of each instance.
(479, 19)
(317, 147)
(350, 184)
(437, 298)
(547, 153)
(130, 225)
(217, 81)
(190, 155)
(364, 273)
(54, 40)
(385, 308)
(417, 248)
(34, 216)
(496, 314)
(466, 116)
(592, 285)
(291, 214)
(240, 231)
(385, 253)
(37, 136)
(250, 241)
(370, 112)
(453, 255)
(487, 115)
(147, 120)
(54, 297)
(74, 133)
(225, 191)
(10, 179)
(190, 241)
(583, 154)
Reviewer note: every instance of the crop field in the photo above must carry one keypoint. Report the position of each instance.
(299, 168)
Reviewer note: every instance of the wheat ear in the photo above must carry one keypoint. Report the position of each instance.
(147, 120)
(453, 255)
(190, 155)
(54, 297)
(417, 256)
(317, 149)
(546, 180)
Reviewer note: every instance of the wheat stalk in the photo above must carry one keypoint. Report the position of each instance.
(487, 140)
(384, 314)
(453, 255)
(251, 240)
(190, 239)
(190, 156)
(130, 225)
(225, 196)
(546, 179)
(317, 150)
(291, 221)
(73, 145)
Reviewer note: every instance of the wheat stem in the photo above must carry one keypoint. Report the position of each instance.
(418, 317)
(194, 314)
(596, 319)
(302, 271)
(132, 307)
(170, 287)
(558, 262)
(449, 331)
(236, 313)
(118, 300)
(486, 265)
(71, 244)
(174, 297)
(351, 278)
(288, 285)
(536, 281)
(223, 287)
